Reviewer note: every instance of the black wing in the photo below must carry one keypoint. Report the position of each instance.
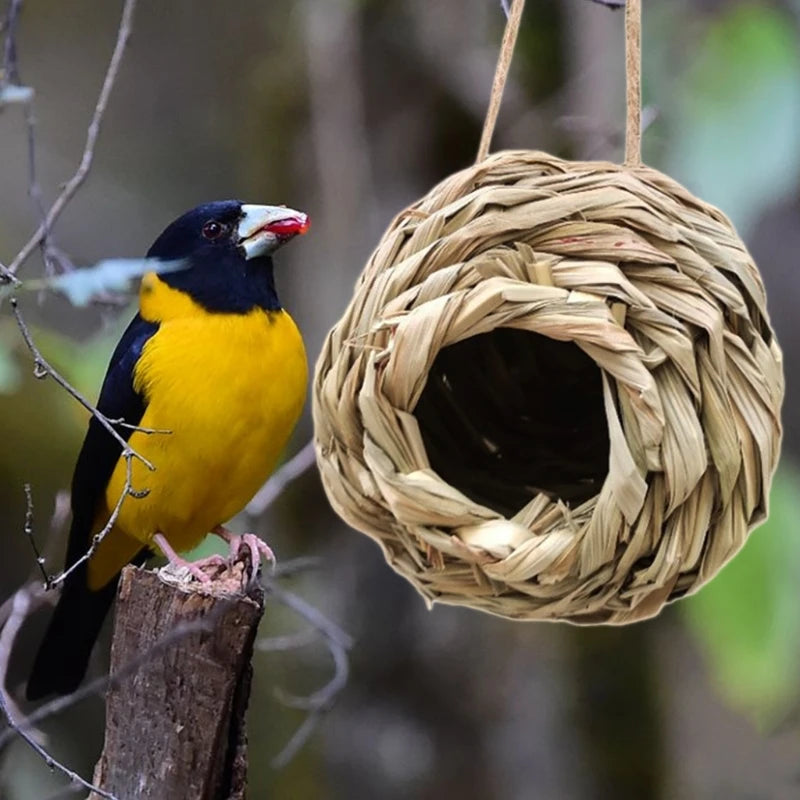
(62, 658)
(100, 451)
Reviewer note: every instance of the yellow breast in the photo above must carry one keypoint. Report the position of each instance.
(229, 388)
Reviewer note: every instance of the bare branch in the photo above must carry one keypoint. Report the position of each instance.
(127, 490)
(311, 614)
(25, 601)
(13, 613)
(9, 76)
(10, 67)
(291, 470)
(295, 565)
(122, 424)
(291, 641)
(42, 368)
(66, 791)
(321, 701)
(28, 530)
(75, 182)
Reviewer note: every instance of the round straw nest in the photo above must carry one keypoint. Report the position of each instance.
(555, 393)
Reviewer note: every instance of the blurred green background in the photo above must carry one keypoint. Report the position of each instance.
(350, 109)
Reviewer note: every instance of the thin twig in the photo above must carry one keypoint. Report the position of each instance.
(311, 614)
(296, 742)
(75, 182)
(9, 76)
(321, 701)
(23, 602)
(291, 470)
(65, 791)
(10, 65)
(19, 726)
(28, 530)
(290, 641)
(294, 565)
(42, 368)
(122, 424)
(35, 189)
(127, 490)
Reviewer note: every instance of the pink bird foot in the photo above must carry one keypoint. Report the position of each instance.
(255, 546)
(196, 568)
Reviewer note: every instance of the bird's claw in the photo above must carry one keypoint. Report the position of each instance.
(195, 568)
(255, 547)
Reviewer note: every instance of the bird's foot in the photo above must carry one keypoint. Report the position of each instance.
(195, 568)
(257, 548)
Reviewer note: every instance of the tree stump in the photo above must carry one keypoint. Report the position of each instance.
(175, 723)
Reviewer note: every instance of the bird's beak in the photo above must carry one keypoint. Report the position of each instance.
(263, 229)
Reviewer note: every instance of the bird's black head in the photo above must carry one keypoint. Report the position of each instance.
(226, 250)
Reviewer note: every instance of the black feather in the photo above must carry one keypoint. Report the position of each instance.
(218, 276)
(63, 656)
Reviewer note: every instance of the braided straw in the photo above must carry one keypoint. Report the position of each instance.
(555, 393)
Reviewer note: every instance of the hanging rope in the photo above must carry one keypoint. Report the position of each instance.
(633, 79)
(500, 75)
(633, 76)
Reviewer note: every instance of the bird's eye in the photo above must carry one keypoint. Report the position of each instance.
(213, 229)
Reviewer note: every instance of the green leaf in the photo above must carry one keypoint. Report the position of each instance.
(748, 618)
(738, 112)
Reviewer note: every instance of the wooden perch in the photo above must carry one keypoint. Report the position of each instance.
(175, 725)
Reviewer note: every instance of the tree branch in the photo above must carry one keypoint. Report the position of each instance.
(24, 602)
(42, 368)
(318, 703)
(292, 469)
(75, 182)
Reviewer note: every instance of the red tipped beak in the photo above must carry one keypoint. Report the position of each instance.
(291, 226)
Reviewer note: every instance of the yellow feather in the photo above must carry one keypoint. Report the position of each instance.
(230, 388)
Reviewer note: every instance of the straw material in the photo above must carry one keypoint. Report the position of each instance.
(555, 393)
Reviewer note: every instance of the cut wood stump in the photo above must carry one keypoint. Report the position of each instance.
(180, 683)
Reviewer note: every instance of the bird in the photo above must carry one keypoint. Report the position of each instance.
(206, 386)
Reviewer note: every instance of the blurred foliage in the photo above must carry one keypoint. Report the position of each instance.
(9, 370)
(734, 122)
(748, 617)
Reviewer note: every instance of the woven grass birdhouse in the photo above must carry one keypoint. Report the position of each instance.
(555, 393)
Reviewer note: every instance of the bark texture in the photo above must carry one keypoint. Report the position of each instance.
(175, 726)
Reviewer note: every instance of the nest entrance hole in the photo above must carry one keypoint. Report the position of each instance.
(508, 414)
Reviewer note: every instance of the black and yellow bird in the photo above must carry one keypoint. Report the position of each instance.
(213, 359)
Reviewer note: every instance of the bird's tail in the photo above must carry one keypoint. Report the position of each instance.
(64, 653)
